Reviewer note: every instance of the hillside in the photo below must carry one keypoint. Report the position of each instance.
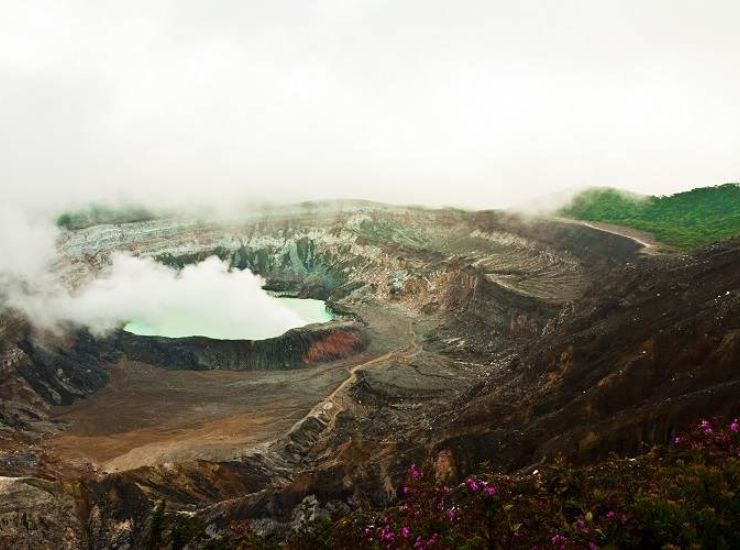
(99, 214)
(683, 495)
(685, 220)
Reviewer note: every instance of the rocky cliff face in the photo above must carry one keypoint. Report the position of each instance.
(473, 337)
(38, 371)
(297, 348)
(644, 352)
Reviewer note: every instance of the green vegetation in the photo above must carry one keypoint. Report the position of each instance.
(685, 495)
(685, 220)
(96, 214)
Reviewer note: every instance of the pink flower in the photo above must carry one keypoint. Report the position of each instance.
(592, 546)
(473, 485)
(611, 514)
(706, 427)
(452, 514)
(404, 490)
(405, 532)
(414, 472)
(558, 541)
(735, 426)
(490, 490)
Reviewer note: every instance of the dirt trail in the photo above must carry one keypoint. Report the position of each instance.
(645, 240)
(330, 404)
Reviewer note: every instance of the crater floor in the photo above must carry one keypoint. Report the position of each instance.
(147, 415)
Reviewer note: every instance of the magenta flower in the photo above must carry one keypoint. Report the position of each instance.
(735, 426)
(611, 514)
(452, 513)
(473, 485)
(414, 472)
(592, 546)
(405, 532)
(558, 541)
(386, 534)
(490, 490)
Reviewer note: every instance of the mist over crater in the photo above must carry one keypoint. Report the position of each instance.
(148, 298)
(181, 322)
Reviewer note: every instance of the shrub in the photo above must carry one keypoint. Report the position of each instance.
(685, 495)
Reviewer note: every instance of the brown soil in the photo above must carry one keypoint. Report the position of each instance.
(149, 415)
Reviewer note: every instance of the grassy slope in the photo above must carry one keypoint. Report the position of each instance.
(685, 220)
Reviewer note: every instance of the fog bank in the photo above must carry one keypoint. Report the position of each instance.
(480, 104)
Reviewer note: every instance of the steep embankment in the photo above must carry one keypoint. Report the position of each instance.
(297, 348)
(653, 345)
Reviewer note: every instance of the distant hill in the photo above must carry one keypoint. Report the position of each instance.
(97, 214)
(685, 220)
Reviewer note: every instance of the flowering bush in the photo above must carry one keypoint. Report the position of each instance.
(685, 495)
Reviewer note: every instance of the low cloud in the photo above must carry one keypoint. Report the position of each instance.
(206, 298)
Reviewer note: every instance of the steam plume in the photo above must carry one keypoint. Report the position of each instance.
(211, 299)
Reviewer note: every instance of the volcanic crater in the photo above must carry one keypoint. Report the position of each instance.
(459, 335)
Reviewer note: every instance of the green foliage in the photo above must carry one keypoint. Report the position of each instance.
(685, 220)
(242, 537)
(683, 496)
(97, 214)
(158, 521)
(186, 530)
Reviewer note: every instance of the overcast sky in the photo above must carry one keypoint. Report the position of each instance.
(471, 103)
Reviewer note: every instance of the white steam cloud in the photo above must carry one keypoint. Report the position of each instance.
(205, 299)
(27, 245)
